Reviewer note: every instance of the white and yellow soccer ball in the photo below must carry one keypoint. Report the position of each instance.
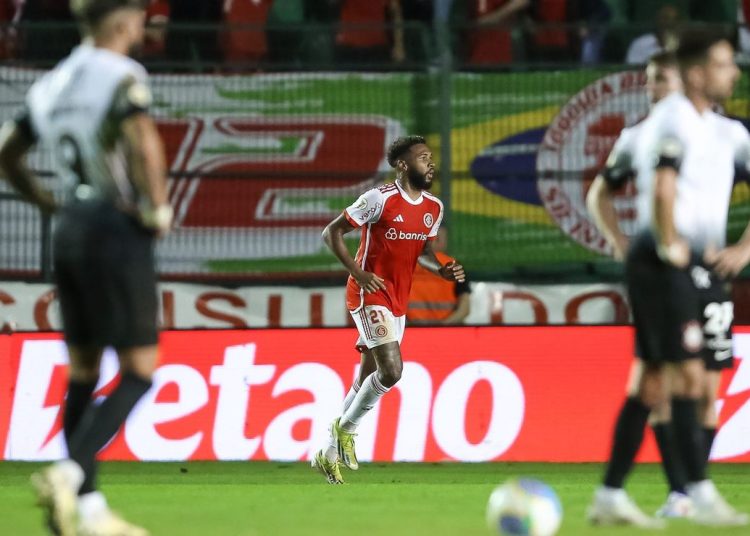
(524, 506)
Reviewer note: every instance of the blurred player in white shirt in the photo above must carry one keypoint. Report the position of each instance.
(684, 158)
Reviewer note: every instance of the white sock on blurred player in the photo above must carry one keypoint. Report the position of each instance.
(368, 395)
(92, 505)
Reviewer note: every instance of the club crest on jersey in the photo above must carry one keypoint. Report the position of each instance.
(381, 331)
(428, 221)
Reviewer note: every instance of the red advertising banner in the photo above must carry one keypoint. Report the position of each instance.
(466, 394)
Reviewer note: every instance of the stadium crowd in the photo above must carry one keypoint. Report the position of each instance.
(483, 33)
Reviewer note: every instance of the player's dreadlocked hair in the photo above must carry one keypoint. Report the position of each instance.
(92, 12)
(399, 146)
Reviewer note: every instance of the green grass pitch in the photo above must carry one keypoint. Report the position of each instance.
(247, 499)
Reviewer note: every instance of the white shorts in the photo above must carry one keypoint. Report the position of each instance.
(376, 326)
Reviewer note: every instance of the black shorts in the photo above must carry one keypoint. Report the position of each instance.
(665, 304)
(718, 315)
(105, 276)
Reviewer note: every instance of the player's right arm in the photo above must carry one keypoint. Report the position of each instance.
(671, 247)
(600, 198)
(16, 140)
(365, 210)
(145, 153)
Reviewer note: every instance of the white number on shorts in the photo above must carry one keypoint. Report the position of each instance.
(719, 317)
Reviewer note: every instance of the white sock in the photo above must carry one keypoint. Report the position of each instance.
(353, 390)
(366, 398)
(702, 492)
(92, 505)
(608, 495)
(331, 452)
(72, 471)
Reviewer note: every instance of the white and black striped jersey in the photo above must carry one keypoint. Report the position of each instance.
(77, 109)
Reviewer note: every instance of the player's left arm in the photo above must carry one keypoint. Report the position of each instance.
(732, 259)
(451, 271)
(16, 140)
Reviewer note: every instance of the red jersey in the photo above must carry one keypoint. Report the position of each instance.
(491, 45)
(394, 231)
(245, 39)
(362, 24)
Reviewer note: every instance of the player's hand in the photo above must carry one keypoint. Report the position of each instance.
(731, 260)
(677, 253)
(46, 202)
(369, 281)
(158, 219)
(452, 271)
(620, 248)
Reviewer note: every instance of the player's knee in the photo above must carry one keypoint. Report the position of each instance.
(390, 373)
(692, 386)
(652, 397)
(651, 389)
(84, 373)
(662, 411)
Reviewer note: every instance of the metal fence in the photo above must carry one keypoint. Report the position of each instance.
(260, 161)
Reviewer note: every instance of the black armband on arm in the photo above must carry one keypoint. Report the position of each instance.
(463, 287)
(669, 154)
(131, 97)
(24, 126)
(618, 171)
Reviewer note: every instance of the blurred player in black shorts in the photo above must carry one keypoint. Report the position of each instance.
(91, 111)
(683, 157)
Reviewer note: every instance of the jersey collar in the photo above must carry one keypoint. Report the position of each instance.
(406, 196)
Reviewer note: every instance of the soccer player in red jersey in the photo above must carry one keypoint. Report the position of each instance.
(398, 222)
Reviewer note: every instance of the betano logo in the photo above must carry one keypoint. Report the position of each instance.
(224, 406)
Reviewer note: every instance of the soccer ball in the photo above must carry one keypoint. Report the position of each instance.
(524, 507)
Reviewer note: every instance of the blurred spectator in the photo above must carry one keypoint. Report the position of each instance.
(244, 37)
(319, 37)
(491, 43)
(665, 36)
(432, 299)
(157, 18)
(370, 32)
(9, 13)
(285, 31)
(743, 37)
(417, 15)
(550, 36)
(198, 42)
(594, 15)
(53, 35)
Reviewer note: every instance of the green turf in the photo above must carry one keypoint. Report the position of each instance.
(209, 498)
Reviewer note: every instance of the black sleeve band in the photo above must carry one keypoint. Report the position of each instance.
(617, 177)
(463, 288)
(24, 126)
(669, 154)
(618, 170)
(664, 161)
(131, 97)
